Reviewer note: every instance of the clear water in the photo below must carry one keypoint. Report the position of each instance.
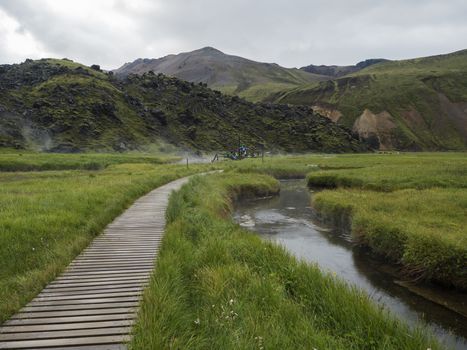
(288, 220)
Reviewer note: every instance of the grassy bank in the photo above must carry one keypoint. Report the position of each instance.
(48, 217)
(218, 286)
(386, 170)
(31, 161)
(424, 230)
(413, 214)
(393, 173)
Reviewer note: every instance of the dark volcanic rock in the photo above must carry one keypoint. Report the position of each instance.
(80, 108)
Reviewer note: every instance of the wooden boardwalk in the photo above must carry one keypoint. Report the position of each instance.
(93, 304)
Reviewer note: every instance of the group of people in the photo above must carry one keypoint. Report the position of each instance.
(241, 153)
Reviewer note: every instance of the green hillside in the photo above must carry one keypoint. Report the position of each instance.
(410, 104)
(59, 105)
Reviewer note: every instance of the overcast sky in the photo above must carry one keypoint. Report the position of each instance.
(292, 33)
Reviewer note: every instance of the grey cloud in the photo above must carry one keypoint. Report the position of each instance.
(291, 33)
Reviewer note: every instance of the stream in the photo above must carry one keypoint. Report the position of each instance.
(288, 220)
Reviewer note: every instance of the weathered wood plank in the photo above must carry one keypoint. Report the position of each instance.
(89, 296)
(83, 293)
(94, 347)
(94, 287)
(47, 343)
(65, 334)
(72, 319)
(66, 326)
(90, 281)
(66, 313)
(79, 307)
(107, 273)
(115, 277)
(91, 268)
(98, 300)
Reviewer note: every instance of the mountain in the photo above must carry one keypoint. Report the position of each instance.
(229, 74)
(415, 104)
(339, 71)
(60, 105)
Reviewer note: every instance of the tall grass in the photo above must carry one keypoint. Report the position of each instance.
(48, 217)
(412, 211)
(30, 161)
(378, 171)
(424, 230)
(217, 286)
(392, 176)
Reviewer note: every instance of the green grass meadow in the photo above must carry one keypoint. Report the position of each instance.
(29, 161)
(217, 286)
(412, 210)
(48, 217)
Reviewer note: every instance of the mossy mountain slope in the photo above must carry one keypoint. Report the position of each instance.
(59, 105)
(227, 73)
(417, 104)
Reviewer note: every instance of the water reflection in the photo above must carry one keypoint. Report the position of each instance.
(288, 220)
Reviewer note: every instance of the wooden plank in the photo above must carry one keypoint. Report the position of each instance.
(75, 275)
(119, 267)
(66, 326)
(89, 296)
(87, 259)
(79, 307)
(59, 284)
(86, 262)
(113, 272)
(86, 292)
(133, 245)
(71, 319)
(95, 287)
(104, 249)
(65, 313)
(125, 232)
(135, 242)
(115, 277)
(119, 255)
(120, 250)
(91, 347)
(118, 246)
(125, 261)
(104, 252)
(65, 334)
(131, 237)
(47, 343)
(82, 265)
(102, 299)
(105, 284)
